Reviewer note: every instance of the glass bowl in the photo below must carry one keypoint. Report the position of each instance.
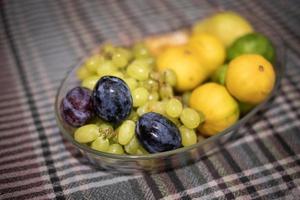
(170, 159)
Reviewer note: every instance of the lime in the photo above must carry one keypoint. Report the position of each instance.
(220, 74)
(245, 107)
(254, 43)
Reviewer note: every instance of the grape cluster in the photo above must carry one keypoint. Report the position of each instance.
(155, 117)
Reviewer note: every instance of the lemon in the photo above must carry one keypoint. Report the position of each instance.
(227, 26)
(186, 65)
(219, 108)
(210, 49)
(254, 43)
(250, 78)
(201, 26)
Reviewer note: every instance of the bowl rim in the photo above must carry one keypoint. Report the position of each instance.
(279, 69)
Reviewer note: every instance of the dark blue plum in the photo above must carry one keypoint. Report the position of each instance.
(157, 133)
(112, 99)
(77, 107)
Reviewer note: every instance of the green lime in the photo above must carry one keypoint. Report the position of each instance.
(245, 107)
(220, 74)
(254, 43)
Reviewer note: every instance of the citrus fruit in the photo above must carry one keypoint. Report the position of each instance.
(219, 108)
(227, 26)
(186, 65)
(245, 107)
(250, 78)
(219, 75)
(255, 43)
(209, 48)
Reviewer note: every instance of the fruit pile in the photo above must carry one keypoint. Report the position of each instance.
(125, 106)
(170, 91)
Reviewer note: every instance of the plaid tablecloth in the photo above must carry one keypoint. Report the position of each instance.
(41, 39)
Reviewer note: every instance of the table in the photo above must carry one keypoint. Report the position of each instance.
(42, 39)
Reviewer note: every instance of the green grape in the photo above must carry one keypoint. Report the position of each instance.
(97, 121)
(138, 70)
(202, 117)
(93, 63)
(117, 74)
(155, 75)
(174, 120)
(83, 73)
(115, 149)
(126, 52)
(190, 118)
(100, 144)
(86, 133)
(113, 139)
(131, 82)
(166, 91)
(133, 116)
(173, 108)
(188, 136)
(157, 106)
(90, 82)
(186, 97)
(149, 60)
(142, 109)
(153, 96)
(106, 68)
(120, 59)
(132, 146)
(141, 151)
(150, 85)
(170, 77)
(126, 131)
(140, 51)
(108, 49)
(139, 96)
(106, 130)
(144, 62)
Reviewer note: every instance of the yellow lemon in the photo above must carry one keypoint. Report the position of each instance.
(210, 49)
(184, 62)
(227, 26)
(250, 78)
(201, 26)
(219, 108)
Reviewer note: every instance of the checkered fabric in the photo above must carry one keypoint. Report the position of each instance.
(41, 39)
